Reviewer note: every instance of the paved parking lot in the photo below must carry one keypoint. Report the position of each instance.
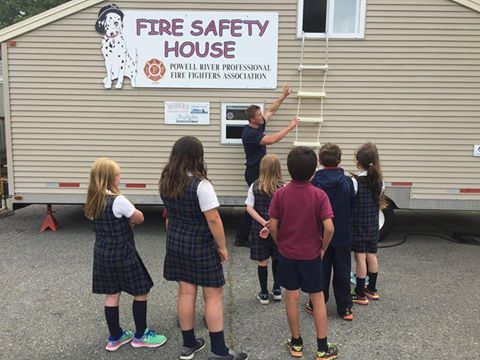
(429, 308)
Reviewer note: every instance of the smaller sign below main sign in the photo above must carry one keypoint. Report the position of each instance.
(187, 113)
(476, 150)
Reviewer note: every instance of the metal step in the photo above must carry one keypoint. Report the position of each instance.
(312, 67)
(310, 119)
(308, 94)
(307, 143)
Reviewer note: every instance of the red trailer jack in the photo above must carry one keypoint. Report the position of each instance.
(49, 222)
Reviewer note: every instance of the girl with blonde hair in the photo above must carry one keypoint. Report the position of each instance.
(117, 265)
(262, 246)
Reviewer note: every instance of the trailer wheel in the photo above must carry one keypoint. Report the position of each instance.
(385, 221)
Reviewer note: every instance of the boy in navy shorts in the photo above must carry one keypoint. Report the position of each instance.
(299, 213)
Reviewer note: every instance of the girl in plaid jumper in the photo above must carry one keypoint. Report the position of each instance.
(262, 246)
(195, 246)
(117, 266)
(365, 232)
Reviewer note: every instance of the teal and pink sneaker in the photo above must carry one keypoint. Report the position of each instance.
(115, 344)
(149, 339)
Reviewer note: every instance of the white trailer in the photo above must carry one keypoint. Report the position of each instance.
(405, 75)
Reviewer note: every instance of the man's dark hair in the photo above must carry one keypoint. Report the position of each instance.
(251, 111)
(301, 163)
(330, 155)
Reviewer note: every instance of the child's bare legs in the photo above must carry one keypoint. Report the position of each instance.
(112, 300)
(361, 265)
(361, 269)
(372, 262)
(321, 325)
(213, 308)
(372, 273)
(319, 314)
(292, 298)
(214, 318)
(263, 262)
(141, 297)
(187, 294)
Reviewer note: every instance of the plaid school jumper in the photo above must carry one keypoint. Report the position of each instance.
(365, 230)
(191, 254)
(116, 264)
(261, 249)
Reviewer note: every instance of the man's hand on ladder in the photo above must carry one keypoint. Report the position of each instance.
(286, 90)
(293, 123)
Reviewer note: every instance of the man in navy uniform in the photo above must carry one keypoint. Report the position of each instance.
(255, 143)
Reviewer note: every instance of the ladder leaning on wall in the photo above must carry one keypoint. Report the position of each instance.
(319, 95)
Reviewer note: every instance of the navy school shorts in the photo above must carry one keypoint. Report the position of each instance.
(306, 275)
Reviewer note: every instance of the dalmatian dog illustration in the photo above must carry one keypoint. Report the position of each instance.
(118, 61)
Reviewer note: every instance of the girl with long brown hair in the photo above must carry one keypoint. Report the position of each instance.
(365, 229)
(195, 247)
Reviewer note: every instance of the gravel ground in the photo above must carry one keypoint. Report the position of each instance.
(429, 308)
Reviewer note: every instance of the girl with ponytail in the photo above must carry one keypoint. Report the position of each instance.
(368, 184)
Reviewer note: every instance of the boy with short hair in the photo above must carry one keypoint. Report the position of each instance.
(341, 193)
(298, 213)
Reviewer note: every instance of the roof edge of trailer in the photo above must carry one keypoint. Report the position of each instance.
(74, 6)
(45, 18)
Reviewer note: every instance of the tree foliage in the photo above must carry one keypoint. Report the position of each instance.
(12, 11)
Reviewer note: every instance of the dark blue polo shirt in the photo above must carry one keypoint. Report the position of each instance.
(254, 152)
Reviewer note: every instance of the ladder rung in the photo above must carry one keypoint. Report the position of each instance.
(307, 94)
(312, 67)
(310, 119)
(307, 143)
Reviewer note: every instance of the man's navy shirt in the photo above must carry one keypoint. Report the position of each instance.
(254, 152)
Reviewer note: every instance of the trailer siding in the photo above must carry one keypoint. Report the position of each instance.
(412, 86)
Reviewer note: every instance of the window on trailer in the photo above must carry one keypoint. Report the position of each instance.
(338, 18)
(234, 121)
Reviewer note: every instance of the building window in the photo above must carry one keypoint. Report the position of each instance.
(342, 19)
(234, 121)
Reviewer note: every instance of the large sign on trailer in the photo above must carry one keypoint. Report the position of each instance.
(189, 49)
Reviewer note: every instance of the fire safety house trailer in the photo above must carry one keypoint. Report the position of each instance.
(89, 79)
(3, 146)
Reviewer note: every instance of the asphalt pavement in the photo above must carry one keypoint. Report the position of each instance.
(430, 290)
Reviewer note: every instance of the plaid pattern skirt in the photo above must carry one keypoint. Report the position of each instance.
(117, 270)
(363, 247)
(261, 249)
(205, 272)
